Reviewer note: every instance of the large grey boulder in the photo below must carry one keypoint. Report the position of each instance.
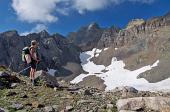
(7, 79)
(4, 74)
(140, 103)
(46, 79)
(49, 109)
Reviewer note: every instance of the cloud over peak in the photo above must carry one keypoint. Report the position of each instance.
(35, 10)
(93, 5)
(45, 11)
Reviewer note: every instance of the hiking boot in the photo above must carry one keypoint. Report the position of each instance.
(30, 81)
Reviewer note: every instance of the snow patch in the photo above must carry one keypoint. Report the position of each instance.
(106, 49)
(51, 71)
(117, 76)
(116, 49)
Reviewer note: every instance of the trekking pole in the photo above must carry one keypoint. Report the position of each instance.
(24, 70)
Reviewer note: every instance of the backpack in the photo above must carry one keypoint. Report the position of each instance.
(25, 52)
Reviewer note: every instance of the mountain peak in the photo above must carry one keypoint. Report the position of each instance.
(10, 33)
(167, 15)
(134, 22)
(93, 26)
(44, 33)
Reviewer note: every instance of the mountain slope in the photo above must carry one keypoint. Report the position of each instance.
(93, 36)
(140, 44)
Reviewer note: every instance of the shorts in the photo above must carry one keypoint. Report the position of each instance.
(33, 64)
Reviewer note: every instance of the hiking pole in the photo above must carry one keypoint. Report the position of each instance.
(24, 70)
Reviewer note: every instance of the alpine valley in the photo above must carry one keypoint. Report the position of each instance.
(106, 61)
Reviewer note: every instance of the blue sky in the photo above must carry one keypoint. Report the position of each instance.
(63, 16)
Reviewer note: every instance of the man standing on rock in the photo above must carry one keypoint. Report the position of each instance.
(34, 60)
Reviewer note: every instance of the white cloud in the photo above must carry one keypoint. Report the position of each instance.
(90, 5)
(45, 11)
(93, 5)
(35, 10)
(36, 29)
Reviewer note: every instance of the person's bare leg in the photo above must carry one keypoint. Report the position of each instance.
(30, 74)
(33, 75)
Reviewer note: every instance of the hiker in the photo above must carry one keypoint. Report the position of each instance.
(30, 57)
(34, 60)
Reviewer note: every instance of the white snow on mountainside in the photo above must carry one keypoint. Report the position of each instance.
(116, 75)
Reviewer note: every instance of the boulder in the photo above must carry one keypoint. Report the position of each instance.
(49, 109)
(69, 108)
(17, 106)
(11, 93)
(130, 104)
(126, 91)
(141, 103)
(7, 80)
(4, 74)
(88, 92)
(2, 110)
(127, 111)
(36, 104)
(46, 79)
(13, 85)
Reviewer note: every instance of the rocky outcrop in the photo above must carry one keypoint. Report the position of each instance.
(108, 37)
(95, 82)
(46, 79)
(93, 36)
(86, 37)
(160, 104)
(7, 80)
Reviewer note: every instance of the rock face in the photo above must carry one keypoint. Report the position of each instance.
(107, 38)
(46, 79)
(86, 37)
(54, 50)
(160, 104)
(92, 36)
(140, 44)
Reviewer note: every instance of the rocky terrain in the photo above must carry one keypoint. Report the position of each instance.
(50, 95)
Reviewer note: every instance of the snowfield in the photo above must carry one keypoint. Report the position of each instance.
(116, 75)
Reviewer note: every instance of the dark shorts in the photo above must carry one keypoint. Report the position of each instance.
(33, 64)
